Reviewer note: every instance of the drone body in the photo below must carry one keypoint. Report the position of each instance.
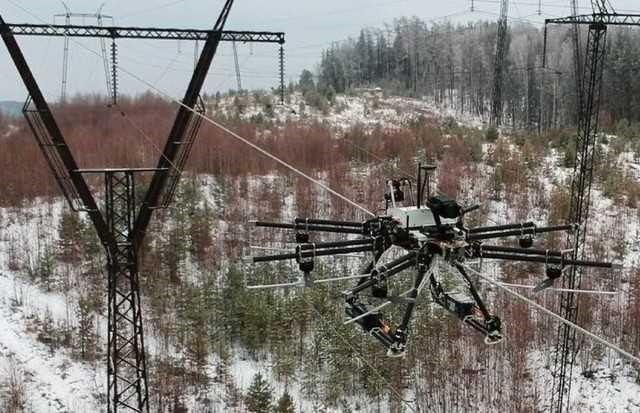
(427, 234)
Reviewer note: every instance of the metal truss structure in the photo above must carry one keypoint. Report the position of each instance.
(122, 224)
(498, 65)
(116, 32)
(589, 73)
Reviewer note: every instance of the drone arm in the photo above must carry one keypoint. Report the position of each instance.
(501, 227)
(310, 253)
(312, 227)
(524, 230)
(383, 272)
(469, 209)
(336, 244)
(328, 222)
(514, 250)
(546, 260)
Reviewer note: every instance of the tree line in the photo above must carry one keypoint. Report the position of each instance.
(453, 65)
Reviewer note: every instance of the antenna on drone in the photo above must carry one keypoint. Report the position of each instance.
(424, 182)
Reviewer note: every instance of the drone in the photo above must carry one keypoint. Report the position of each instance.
(429, 234)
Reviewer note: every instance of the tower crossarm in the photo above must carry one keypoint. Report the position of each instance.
(118, 32)
(610, 19)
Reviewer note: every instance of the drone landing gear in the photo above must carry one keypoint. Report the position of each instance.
(491, 328)
(374, 324)
(370, 319)
(471, 311)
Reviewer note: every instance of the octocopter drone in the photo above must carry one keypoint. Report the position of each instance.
(427, 232)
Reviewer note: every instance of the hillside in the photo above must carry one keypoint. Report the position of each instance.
(11, 108)
(208, 336)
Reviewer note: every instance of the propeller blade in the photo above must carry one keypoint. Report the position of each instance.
(348, 277)
(400, 300)
(283, 285)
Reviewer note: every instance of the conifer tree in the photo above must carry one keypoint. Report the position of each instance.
(285, 404)
(259, 395)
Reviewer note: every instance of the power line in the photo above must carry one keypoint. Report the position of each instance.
(280, 161)
(150, 9)
(545, 310)
(221, 127)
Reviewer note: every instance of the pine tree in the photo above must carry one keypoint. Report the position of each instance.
(86, 335)
(69, 233)
(306, 82)
(285, 404)
(259, 395)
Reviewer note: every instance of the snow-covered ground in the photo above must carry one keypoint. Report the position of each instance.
(365, 109)
(54, 381)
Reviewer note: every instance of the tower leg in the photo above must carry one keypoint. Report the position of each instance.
(127, 373)
(591, 85)
(281, 74)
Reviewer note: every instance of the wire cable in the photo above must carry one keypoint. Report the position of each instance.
(624, 353)
(531, 287)
(221, 127)
(261, 150)
(150, 9)
(146, 137)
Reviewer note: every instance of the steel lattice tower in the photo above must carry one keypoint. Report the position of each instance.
(498, 67)
(589, 73)
(127, 371)
(121, 225)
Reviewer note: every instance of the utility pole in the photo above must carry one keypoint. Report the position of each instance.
(281, 56)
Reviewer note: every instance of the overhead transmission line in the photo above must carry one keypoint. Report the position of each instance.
(622, 352)
(150, 9)
(266, 153)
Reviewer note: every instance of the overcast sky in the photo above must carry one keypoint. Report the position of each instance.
(309, 25)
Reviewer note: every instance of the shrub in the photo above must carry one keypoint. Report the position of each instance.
(492, 134)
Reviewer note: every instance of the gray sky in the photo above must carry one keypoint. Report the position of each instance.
(310, 26)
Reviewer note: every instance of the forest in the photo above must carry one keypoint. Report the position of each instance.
(454, 65)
